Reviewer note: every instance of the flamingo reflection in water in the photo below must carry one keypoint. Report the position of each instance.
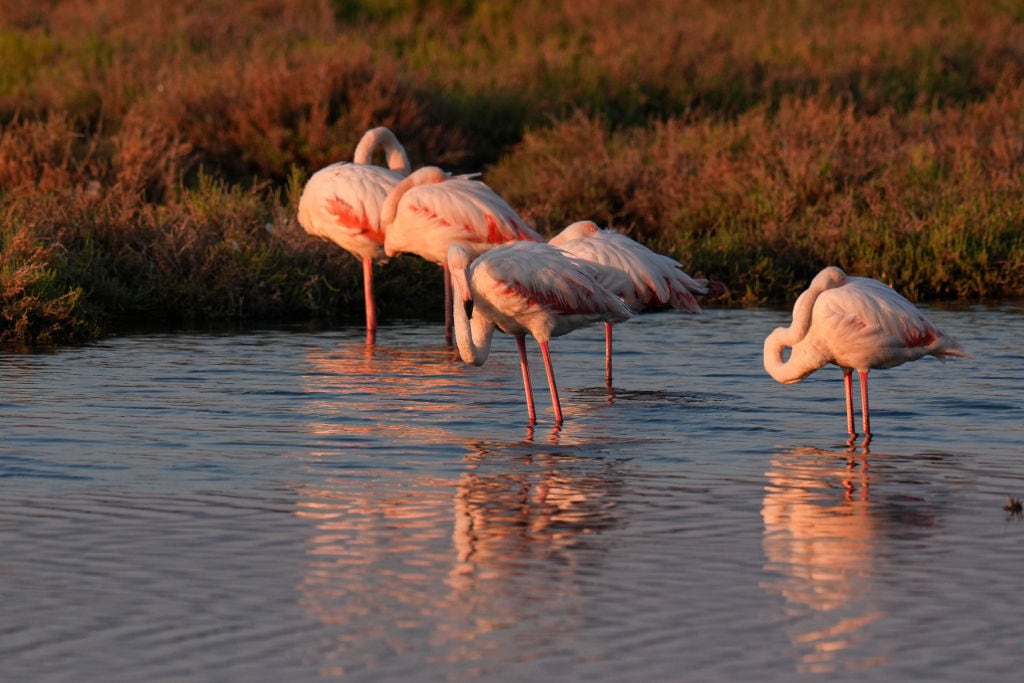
(389, 559)
(505, 522)
(821, 533)
(373, 548)
(360, 389)
(376, 531)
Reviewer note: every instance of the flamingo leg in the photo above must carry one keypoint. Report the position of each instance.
(521, 344)
(865, 415)
(447, 305)
(545, 351)
(608, 354)
(848, 387)
(371, 306)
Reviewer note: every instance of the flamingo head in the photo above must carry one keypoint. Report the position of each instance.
(577, 230)
(459, 259)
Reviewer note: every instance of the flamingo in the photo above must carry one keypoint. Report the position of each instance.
(525, 288)
(858, 324)
(654, 279)
(430, 210)
(342, 202)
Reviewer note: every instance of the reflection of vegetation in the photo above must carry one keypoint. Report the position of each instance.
(1014, 507)
(151, 155)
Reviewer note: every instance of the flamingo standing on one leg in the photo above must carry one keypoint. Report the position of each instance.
(342, 203)
(858, 324)
(430, 210)
(525, 288)
(654, 279)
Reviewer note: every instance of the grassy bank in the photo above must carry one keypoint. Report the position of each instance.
(151, 156)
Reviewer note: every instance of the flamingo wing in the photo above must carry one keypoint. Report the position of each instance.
(342, 203)
(501, 221)
(873, 326)
(465, 211)
(656, 279)
(533, 287)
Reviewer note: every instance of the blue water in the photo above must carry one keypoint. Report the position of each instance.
(286, 505)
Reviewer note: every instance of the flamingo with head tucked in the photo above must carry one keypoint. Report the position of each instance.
(342, 203)
(858, 324)
(654, 280)
(525, 288)
(430, 210)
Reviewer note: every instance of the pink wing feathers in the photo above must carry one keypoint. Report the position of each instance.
(434, 211)
(342, 203)
(655, 279)
(535, 288)
(868, 324)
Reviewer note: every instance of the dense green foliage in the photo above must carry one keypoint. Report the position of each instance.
(152, 154)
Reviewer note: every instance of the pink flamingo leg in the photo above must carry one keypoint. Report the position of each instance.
(371, 306)
(521, 344)
(551, 382)
(608, 354)
(448, 324)
(848, 386)
(865, 415)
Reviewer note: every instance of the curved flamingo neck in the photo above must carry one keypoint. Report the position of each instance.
(800, 363)
(804, 360)
(472, 335)
(382, 139)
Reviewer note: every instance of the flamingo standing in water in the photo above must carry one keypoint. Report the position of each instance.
(342, 203)
(858, 324)
(654, 279)
(526, 288)
(430, 210)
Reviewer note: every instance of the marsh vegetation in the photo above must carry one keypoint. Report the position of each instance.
(152, 154)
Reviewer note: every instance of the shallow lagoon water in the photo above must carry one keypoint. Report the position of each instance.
(282, 505)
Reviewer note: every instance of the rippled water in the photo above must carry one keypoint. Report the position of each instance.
(285, 506)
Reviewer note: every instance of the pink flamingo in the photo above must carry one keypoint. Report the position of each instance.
(858, 324)
(525, 288)
(655, 280)
(430, 210)
(342, 203)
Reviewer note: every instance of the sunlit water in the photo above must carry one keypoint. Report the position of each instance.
(291, 506)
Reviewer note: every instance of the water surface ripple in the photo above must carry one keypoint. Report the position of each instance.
(291, 505)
